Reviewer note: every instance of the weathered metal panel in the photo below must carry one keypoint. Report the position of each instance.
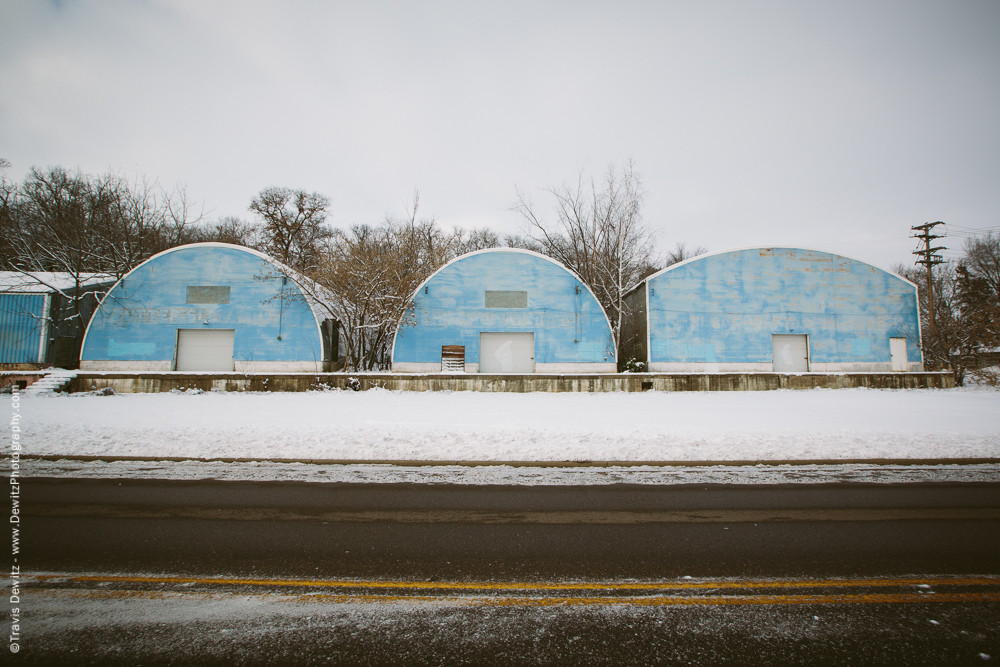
(724, 308)
(139, 319)
(208, 294)
(451, 308)
(506, 299)
(22, 328)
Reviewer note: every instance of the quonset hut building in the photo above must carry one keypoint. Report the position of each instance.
(504, 310)
(209, 307)
(779, 309)
(43, 315)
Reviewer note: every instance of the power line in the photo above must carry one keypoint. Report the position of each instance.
(973, 229)
(971, 232)
(929, 257)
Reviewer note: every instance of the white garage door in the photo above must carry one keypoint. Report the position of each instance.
(507, 352)
(205, 349)
(790, 353)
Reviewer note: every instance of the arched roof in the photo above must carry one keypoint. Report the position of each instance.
(297, 278)
(764, 247)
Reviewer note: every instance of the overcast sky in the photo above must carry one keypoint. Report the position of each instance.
(836, 125)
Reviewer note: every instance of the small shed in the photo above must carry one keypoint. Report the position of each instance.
(43, 316)
(781, 309)
(210, 307)
(504, 310)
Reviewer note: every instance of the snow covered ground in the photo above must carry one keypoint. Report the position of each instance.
(466, 426)
(382, 473)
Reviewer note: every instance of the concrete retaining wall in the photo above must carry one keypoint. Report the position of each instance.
(20, 378)
(158, 382)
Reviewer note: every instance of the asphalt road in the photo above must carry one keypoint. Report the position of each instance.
(421, 531)
(123, 571)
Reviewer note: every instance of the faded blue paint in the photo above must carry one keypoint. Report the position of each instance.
(22, 317)
(139, 319)
(723, 308)
(450, 309)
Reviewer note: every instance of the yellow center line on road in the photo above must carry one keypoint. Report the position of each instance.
(719, 600)
(539, 586)
(547, 601)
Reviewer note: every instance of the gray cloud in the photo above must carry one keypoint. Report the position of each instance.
(834, 125)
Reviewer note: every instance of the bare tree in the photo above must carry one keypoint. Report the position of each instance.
(8, 195)
(58, 223)
(142, 219)
(682, 253)
(476, 239)
(369, 274)
(71, 223)
(294, 225)
(231, 229)
(599, 234)
(523, 242)
(966, 317)
(982, 259)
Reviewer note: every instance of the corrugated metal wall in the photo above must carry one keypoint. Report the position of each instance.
(201, 287)
(723, 308)
(21, 323)
(506, 291)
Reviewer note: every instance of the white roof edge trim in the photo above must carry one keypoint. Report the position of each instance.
(763, 247)
(291, 273)
(392, 357)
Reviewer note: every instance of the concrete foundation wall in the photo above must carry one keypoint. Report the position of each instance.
(637, 382)
(470, 367)
(768, 367)
(22, 380)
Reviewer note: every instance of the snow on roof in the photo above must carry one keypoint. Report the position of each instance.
(43, 282)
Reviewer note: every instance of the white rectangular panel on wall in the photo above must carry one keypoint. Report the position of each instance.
(205, 349)
(790, 353)
(897, 352)
(507, 352)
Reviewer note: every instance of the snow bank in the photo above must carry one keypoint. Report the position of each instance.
(383, 473)
(466, 426)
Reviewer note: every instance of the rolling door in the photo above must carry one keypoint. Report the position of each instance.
(790, 353)
(507, 352)
(205, 350)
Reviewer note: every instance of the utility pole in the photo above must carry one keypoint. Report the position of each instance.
(929, 258)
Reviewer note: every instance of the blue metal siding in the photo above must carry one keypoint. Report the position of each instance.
(724, 308)
(21, 320)
(569, 324)
(139, 319)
